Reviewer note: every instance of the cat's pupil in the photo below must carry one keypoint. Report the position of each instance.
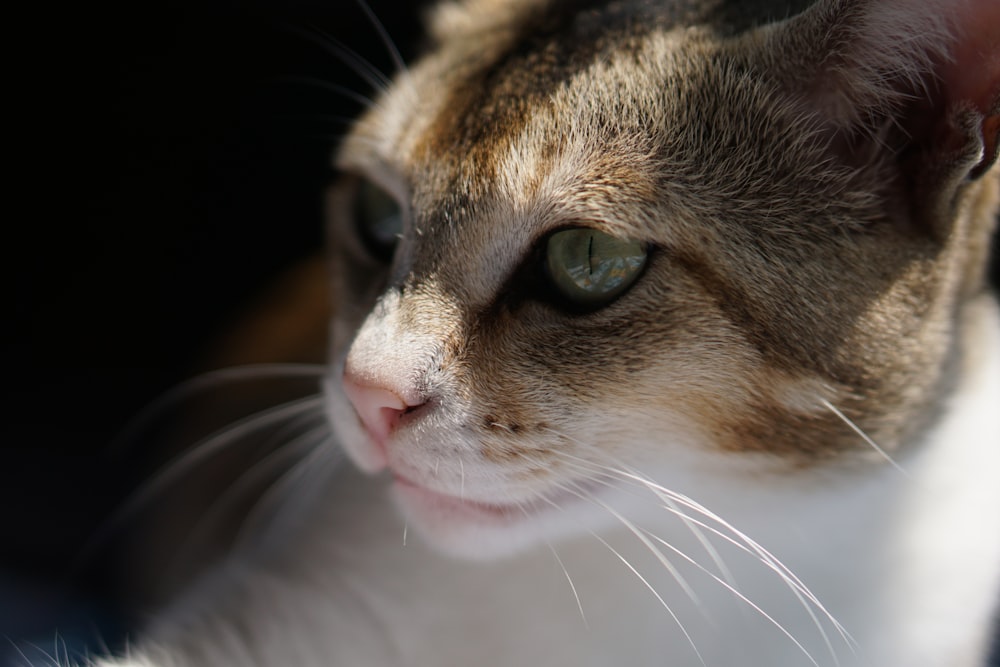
(379, 220)
(590, 269)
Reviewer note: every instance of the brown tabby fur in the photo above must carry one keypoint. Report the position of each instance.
(789, 266)
(816, 187)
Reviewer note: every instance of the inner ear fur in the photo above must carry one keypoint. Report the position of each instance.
(909, 86)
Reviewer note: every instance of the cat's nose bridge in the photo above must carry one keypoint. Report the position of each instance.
(394, 364)
(405, 337)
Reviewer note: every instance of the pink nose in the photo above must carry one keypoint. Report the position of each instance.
(379, 408)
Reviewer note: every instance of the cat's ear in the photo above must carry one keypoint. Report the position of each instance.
(911, 82)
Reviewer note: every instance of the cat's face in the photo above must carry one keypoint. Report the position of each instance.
(566, 242)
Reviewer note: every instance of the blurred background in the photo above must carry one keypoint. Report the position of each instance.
(168, 167)
(168, 162)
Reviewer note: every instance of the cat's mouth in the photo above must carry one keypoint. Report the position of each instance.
(490, 529)
(428, 501)
(423, 498)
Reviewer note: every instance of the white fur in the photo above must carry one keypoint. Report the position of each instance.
(908, 563)
(853, 563)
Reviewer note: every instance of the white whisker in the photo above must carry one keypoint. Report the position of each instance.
(247, 480)
(742, 597)
(864, 436)
(191, 457)
(306, 422)
(60, 642)
(224, 437)
(48, 656)
(210, 380)
(319, 461)
(359, 65)
(693, 527)
(572, 586)
(397, 58)
(748, 545)
(655, 593)
(738, 539)
(343, 91)
(569, 579)
(664, 561)
(656, 552)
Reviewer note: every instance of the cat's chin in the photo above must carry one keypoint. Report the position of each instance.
(487, 531)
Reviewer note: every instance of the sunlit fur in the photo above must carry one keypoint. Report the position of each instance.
(778, 447)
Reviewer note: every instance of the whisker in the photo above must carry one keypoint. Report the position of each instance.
(741, 541)
(390, 46)
(373, 76)
(802, 594)
(210, 380)
(765, 557)
(693, 527)
(317, 118)
(319, 461)
(705, 543)
(295, 427)
(36, 647)
(655, 593)
(674, 572)
(671, 499)
(656, 552)
(739, 595)
(864, 436)
(569, 579)
(251, 477)
(597, 476)
(60, 642)
(338, 89)
(199, 452)
(748, 545)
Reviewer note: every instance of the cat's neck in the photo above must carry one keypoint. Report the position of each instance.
(909, 545)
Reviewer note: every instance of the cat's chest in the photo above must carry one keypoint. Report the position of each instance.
(571, 603)
(667, 599)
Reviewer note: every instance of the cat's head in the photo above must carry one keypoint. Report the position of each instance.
(678, 239)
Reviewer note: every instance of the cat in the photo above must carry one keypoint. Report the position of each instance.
(662, 337)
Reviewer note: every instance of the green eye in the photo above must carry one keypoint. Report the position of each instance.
(379, 220)
(591, 268)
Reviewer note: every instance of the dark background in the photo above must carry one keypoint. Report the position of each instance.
(168, 163)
